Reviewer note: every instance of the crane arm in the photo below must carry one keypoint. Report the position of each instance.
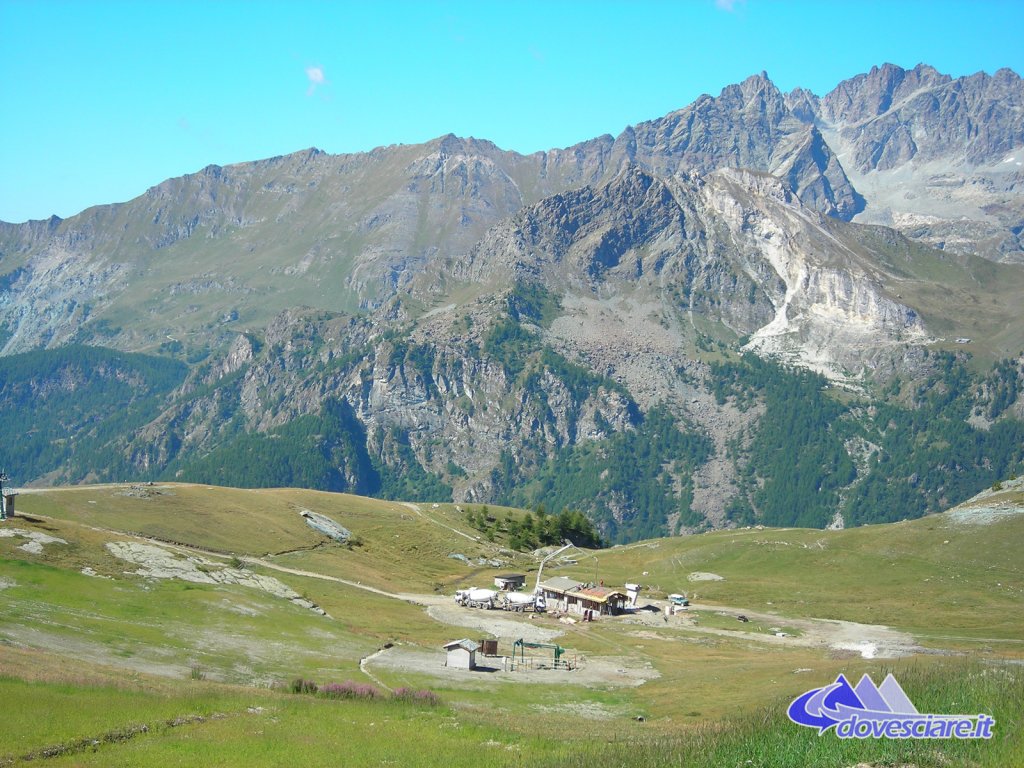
(540, 570)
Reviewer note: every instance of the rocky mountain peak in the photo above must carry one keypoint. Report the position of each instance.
(955, 143)
(1006, 78)
(749, 125)
(803, 104)
(866, 95)
(452, 145)
(891, 115)
(926, 72)
(631, 183)
(757, 95)
(759, 87)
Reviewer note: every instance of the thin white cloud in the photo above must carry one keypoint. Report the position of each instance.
(316, 78)
(729, 6)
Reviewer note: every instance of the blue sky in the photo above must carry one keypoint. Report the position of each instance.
(101, 100)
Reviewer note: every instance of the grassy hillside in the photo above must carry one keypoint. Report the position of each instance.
(395, 545)
(204, 660)
(939, 575)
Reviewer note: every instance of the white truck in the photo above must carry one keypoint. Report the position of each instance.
(522, 601)
(476, 598)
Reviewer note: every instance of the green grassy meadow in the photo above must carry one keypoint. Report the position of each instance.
(91, 651)
(85, 723)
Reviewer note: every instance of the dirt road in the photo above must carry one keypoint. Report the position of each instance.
(871, 641)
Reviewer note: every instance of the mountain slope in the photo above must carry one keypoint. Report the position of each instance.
(159, 628)
(591, 328)
(453, 321)
(348, 231)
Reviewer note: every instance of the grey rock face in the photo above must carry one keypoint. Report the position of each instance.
(891, 115)
(935, 157)
(750, 125)
(737, 246)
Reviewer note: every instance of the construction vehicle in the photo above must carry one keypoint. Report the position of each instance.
(476, 598)
(509, 601)
(522, 601)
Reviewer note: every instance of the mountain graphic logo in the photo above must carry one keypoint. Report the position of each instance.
(879, 711)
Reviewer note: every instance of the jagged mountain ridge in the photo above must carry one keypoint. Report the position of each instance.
(347, 231)
(751, 126)
(939, 158)
(894, 115)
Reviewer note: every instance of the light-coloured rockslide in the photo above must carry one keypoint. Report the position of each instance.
(1000, 502)
(158, 563)
(35, 542)
(984, 514)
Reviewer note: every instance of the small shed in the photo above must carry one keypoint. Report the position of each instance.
(461, 654)
(510, 582)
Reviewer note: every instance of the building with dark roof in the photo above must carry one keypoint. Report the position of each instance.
(510, 582)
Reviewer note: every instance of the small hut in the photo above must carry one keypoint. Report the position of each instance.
(510, 582)
(461, 654)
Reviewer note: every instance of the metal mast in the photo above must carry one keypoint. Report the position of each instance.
(3, 499)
